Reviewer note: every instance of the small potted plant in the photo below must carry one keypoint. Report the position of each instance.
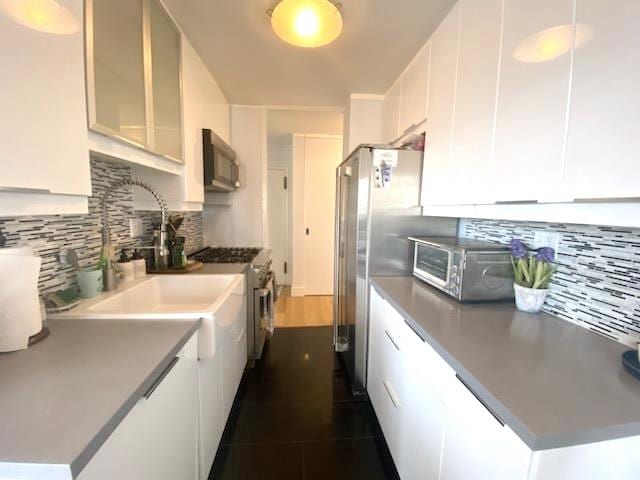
(532, 275)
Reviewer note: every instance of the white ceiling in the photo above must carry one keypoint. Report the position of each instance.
(254, 67)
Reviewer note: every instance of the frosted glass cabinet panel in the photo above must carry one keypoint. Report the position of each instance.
(532, 100)
(165, 61)
(115, 37)
(133, 74)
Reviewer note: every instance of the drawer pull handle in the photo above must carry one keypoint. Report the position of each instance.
(161, 377)
(392, 340)
(482, 402)
(391, 393)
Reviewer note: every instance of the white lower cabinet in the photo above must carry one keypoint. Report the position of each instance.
(174, 431)
(409, 411)
(422, 426)
(220, 375)
(437, 428)
(158, 438)
(478, 446)
(212, 418)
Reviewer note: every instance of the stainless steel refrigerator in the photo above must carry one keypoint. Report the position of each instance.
(377, 207)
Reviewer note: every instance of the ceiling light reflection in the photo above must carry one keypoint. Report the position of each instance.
(46, 16)
(552, 43)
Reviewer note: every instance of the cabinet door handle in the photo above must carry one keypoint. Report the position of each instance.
(392, 340)
(482, 402)
(24, 190)
(516, 202)
(391, 393)
(161, 377)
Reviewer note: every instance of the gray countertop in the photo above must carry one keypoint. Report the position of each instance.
(554, 383)
(60, 399)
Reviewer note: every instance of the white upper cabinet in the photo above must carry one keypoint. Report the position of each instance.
(115, 69)
(441, 94)
(531, 120)
(604, 139)
(133, 74)
(165, 77)
(413, 100)
(43, 119)
(475, 99)
(391, 112)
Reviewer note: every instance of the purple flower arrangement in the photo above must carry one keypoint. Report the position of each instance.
(532, 271)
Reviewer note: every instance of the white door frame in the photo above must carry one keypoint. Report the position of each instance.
(287, 225)
(298, 164)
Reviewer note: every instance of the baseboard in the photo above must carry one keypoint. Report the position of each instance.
(297, 291)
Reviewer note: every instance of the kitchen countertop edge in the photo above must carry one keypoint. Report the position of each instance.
(103, 434)
(535, 443)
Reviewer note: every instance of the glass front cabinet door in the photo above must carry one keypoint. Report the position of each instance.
(133, 74)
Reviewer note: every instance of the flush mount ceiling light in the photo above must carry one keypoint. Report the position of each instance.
(46, 16)
(307, 23)
(552, 43)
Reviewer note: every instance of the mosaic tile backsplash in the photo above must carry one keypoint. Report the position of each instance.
(597, 284)
(50, 234)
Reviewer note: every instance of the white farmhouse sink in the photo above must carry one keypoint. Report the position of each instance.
(170, 297)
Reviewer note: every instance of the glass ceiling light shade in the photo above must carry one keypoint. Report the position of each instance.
(307, 23)
(552, 43)
(46, 16)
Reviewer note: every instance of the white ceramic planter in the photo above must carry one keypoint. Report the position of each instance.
(529, 300)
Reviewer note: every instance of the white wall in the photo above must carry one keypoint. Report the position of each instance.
(363, 121)
(281, 156)
(244, 222)
(297, 212)
(281, 123)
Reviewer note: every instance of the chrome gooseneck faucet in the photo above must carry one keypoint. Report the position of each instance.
(161, 252)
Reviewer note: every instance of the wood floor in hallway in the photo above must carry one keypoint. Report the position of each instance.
(309, 311)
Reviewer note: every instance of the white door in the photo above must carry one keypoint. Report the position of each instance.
(278, 201)
(322, 156)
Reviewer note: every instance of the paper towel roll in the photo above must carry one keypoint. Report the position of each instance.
(20, 315)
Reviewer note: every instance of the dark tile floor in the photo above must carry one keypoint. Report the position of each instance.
(295, 418)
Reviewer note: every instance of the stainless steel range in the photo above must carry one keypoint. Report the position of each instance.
(261, 289)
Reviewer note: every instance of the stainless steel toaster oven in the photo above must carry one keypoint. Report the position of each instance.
(468, 270)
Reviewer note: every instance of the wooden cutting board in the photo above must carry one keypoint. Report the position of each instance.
(192, 266)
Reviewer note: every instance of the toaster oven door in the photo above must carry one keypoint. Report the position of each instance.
(432, 264)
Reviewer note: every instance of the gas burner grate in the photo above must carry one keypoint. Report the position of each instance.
(227, 255)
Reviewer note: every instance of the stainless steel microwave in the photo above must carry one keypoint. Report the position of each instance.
(221, 172)
(468, 270)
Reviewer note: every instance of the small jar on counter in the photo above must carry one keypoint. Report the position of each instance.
(139, 265)
(126, 268)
